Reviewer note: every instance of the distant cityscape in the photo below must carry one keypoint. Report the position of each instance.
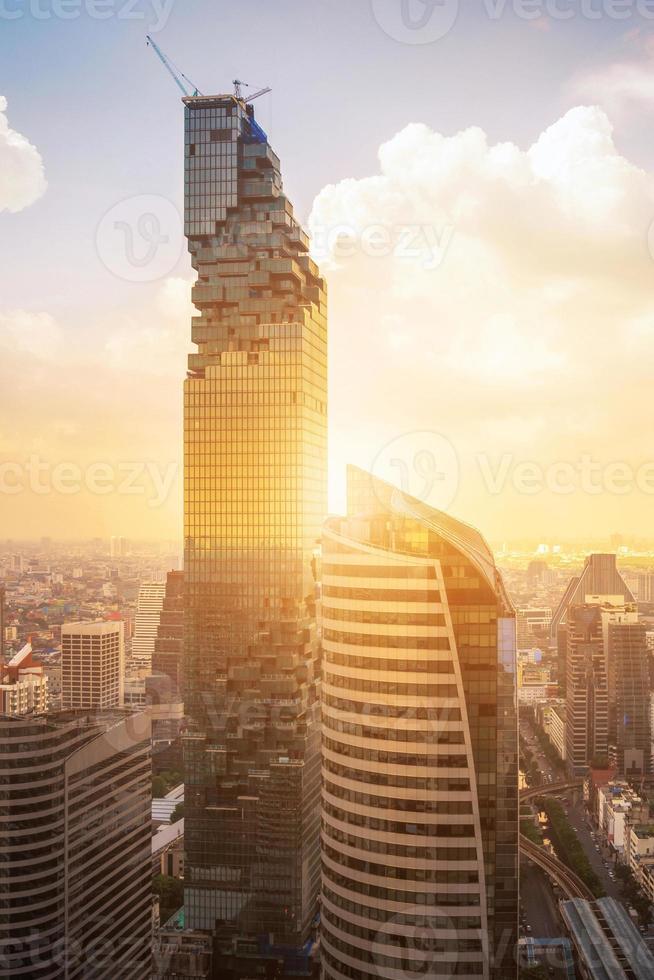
(97, 627)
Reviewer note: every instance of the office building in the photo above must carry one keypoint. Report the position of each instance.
(146, 626)
(587, 698)
(92, 665)
(255, 426)
(76, 871)
(420, 807)
(556, 729)
(23, 685)
(118, 547)
(599, 580)
(629, 716)
(641, 584)
(169, 641)
(533, 626)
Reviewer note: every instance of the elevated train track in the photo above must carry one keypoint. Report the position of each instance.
(570, 884)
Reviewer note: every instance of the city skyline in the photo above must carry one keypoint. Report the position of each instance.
(273, 705)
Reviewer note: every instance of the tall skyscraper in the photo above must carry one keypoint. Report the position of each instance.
(146, 625)
(629, 695)
(255, 427)
(76, 867)
(587, 693)
(599, 581)
(420, 754)
(169, 641)
(92, 665)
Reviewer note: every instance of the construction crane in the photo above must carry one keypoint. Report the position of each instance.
(173, 69)
(238, 84)
(178, 75)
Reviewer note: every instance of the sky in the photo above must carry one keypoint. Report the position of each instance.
(477, 178)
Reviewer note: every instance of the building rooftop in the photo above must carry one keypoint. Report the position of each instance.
(19, 659)
(166, 835)
(643, 832)
(164, 807)
(607, 941)
(99, 627)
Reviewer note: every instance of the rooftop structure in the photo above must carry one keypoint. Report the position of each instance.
(607, 944)
(600, 578)
(23, 685)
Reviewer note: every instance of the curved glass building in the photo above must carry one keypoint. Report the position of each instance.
(420, 754)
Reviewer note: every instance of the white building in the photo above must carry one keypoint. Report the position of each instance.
(148, 612)
(23, 685)
(92, 665)
(556, 730)
(618, 805)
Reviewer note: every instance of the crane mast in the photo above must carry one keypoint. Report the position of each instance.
(172, 69)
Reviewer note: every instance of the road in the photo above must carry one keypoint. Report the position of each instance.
(601, 861)
(537, 899)
(550, 773)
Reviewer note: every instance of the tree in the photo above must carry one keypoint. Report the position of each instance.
(159, 787)
(537, 972)
(170, 892)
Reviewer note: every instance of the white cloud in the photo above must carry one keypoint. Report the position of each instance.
(527, 323)
(619, 85)
(174, 299)
(22, 178)
(34, 333)
(156, 344)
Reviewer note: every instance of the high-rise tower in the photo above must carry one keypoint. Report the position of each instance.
(587, 694)
(255, 422)
(146, 625)
(76, 871)
(420, 768)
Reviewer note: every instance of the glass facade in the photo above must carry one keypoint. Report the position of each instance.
(255, 433)
(420, 768)
(76, 872)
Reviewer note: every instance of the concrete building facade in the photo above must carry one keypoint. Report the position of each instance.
(92, 665)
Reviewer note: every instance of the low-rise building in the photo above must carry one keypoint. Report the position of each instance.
(23, 685)
(618, 805)
(639, 853)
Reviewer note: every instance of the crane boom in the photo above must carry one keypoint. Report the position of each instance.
(172, 69)
(262, 91)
